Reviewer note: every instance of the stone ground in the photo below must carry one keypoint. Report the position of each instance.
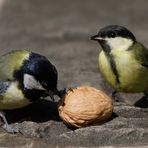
(61, 30)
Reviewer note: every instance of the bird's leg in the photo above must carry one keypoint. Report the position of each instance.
(114, 96)
(6, 126)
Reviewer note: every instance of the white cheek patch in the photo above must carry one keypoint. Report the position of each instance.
(119, 43)
(31, 83)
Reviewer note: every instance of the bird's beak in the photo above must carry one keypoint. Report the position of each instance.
(96, 38)
(59, 93)
(51, 94)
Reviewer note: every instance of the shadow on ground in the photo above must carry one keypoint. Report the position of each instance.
(40, 111)
(143, 102)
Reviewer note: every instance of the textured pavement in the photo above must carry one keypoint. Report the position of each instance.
(61, 31)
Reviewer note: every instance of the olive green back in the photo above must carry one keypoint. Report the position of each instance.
(10, 62)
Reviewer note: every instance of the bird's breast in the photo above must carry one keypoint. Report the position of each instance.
(106, 69)
(133, 77)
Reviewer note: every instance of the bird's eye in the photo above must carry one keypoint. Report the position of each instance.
(112, 34)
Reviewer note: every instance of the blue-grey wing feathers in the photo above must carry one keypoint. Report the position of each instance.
(4, 86)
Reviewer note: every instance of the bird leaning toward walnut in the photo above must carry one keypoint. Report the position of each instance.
(25, 77)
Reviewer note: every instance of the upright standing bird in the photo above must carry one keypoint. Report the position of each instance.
(123, 61)
(24, 78)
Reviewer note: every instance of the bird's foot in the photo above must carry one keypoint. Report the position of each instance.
(10, 129)
(114, 96)
(6, 126)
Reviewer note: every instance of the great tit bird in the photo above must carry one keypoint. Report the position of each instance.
(123, 61)
(25, 77)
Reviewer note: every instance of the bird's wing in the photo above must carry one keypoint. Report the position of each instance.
(3, 87)
(11, 62)
(141, 54)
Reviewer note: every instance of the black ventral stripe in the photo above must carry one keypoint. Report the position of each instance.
(113, 67)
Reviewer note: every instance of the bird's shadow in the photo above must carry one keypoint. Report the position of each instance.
(142, 103)
(40, 111)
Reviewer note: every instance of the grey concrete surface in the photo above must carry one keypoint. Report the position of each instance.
(61, 30)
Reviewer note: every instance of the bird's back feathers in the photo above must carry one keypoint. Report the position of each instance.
(11, 62)
(141, 54)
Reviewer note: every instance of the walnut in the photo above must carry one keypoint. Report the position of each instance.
(84, 105)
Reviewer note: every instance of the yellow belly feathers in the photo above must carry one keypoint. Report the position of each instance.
(13, 98)
(133, 76)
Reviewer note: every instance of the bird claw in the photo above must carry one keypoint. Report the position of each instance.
(11, 129)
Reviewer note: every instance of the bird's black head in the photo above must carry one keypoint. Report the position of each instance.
(37, 77)
(113, 36)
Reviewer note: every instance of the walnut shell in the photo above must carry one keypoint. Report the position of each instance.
(84, 105)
